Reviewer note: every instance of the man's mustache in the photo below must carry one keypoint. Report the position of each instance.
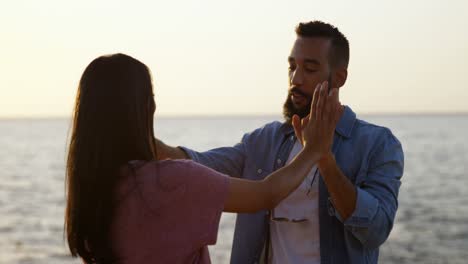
(298, 91)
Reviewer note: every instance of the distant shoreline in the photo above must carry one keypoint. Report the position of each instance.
(246, 116)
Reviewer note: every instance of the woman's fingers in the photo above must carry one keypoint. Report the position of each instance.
(322, 99)
(333, 101)
(313, 105)
(335, 116)
(296, 122)
(328, 107)
(305, 121)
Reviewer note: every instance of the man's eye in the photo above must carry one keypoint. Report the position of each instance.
(291, 68)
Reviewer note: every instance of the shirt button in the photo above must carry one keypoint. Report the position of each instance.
(278, 161)
(259, 171)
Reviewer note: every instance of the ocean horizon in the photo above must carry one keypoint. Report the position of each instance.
(277, 116)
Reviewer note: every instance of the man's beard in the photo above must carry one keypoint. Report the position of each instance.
(289, 110)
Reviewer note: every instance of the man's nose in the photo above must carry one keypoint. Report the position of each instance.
(296, 77)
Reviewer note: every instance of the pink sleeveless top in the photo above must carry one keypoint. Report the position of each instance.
(167, 212)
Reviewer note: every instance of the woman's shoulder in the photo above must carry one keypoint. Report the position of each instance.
(159, 183)
(148, 167)
(190, 168)
(170, 173)
(166, 182)
(165, 172)
(183, 166)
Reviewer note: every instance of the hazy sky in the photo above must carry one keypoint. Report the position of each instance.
(230, 57)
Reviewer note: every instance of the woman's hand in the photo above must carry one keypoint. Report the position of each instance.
(316, 130)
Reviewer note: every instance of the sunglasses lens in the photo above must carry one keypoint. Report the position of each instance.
(298, 220)
(283, 219)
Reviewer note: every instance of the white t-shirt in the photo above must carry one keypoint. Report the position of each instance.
(297, 242)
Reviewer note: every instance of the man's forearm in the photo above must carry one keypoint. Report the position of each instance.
(167, 152)
(341, 189)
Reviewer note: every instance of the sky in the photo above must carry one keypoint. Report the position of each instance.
(230, 57)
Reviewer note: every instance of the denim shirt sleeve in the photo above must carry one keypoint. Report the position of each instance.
(377, 195)
(227, 160)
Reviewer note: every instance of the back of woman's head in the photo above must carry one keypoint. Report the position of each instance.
(112, 124)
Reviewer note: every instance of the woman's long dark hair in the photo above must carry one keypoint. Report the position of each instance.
(112, 124)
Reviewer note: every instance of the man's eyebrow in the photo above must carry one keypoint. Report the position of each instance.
(312, 61)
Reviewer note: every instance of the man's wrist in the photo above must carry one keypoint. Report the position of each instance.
(326, 162)
(311, 153)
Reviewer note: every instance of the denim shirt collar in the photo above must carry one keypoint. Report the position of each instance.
(346, 123)
(344, 127)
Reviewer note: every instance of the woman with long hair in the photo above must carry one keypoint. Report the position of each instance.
(126, 206)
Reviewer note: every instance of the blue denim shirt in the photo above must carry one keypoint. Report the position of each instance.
(369, 155)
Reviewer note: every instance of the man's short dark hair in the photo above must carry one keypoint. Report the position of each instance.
(339, 51)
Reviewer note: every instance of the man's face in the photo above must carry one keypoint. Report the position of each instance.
(308, 66)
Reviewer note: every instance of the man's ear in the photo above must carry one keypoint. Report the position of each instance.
(340, 75)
